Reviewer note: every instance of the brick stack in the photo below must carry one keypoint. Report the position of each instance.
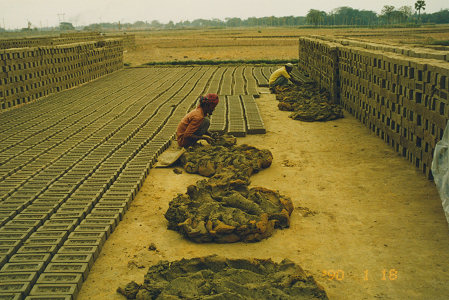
(402, 99)
(129, 40)
(320, 61)
(30, 73)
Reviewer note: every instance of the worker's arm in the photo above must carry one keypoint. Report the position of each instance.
(193, 126)
(292, 79)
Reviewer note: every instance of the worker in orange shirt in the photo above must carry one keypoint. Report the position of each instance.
(281, 77)
(195, 125)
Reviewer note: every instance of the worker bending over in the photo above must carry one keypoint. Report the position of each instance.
(281, 76)
(195, 125)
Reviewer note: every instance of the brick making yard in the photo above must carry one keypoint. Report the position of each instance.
(72, 162)
(82, 206)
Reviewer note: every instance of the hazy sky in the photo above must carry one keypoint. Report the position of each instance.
(15, 13)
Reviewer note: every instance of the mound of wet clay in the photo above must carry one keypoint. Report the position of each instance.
(223, 209)
(214, 277)
(307, 103)
(210, 160)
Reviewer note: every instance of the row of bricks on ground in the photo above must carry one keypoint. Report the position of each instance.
(124, 179)
(95, 126)
(95, 155)
(72, 130)
(54, 233)
(58, 288)
(113, 172)
(59, 270)
(118, 174)
(75, 207)
(86, 164)
(129, 136)
(75, 174)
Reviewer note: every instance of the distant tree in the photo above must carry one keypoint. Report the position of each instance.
(441, 17)
(66, 26)
(406, 11)
(170, 25)
(233, 22)
(155, 24)
(420, 4)
(140, 24)
(387, 12)
(315, 17)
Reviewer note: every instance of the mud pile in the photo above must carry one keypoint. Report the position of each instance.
(308, 103)
(214, 277)
(207, 161)
(223, 208)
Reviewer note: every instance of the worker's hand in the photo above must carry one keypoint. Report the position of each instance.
(207, 139)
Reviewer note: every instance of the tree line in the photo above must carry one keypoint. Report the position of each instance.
(389, 16)
(342, 16)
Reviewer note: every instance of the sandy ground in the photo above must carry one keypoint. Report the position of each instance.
(374, 220)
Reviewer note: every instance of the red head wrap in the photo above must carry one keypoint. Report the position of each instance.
(211, 99)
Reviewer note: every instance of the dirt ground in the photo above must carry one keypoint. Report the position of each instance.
(375, 229)
(260, 43)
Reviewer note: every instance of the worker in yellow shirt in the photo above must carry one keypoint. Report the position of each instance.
(281, 77)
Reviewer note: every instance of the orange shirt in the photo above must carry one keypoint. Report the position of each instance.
(188, 125)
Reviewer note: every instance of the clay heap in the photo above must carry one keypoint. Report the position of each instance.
(307, 103)
(214, 277)
(223, 208)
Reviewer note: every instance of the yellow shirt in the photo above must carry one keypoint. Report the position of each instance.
(278, 73)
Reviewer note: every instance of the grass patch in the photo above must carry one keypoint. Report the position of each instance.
(440, 42)
(222, 62)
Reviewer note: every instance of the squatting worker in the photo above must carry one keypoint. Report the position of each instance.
(195, 125)
(281, 76)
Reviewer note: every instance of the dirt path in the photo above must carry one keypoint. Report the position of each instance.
(371, 214)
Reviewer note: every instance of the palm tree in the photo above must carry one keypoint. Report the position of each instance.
(420, 4)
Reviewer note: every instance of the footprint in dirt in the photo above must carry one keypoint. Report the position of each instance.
(306, 212)
(287, 163)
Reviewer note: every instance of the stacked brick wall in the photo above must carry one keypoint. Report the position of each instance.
(129, 40)
(320, 60)
(417, 52)
(402, 99)
(30, 73)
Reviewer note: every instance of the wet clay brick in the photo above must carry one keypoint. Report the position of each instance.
(61, 278)
(54, 290)
(18, 277)
(82, 268)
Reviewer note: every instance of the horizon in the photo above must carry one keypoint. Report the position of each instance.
(49, 13)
